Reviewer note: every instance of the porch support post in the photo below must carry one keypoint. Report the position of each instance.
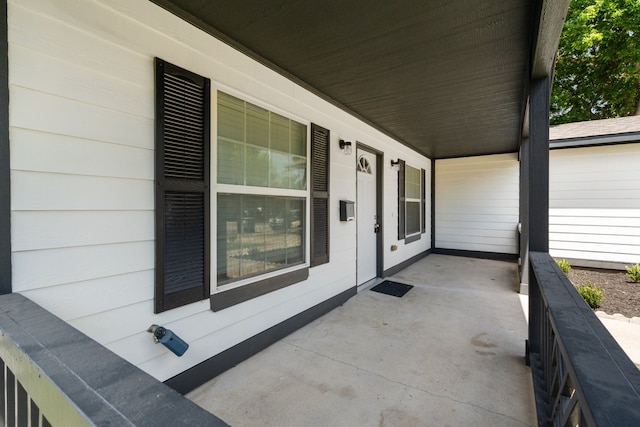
(433, 205)
(524, 215)
(538, 165)
(5, 183)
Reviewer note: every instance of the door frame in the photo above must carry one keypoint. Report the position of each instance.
(379, 157)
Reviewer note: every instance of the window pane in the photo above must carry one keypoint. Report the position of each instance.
(298, 173)
(230, 117)
(257, 234)
(257, 126)
(279, 170)
(252, 236)
(298, 139)
(412, 180)
(277, 238)
(279, 133)
(257, 167)
(412, 223)
(230, 162)
(295, 221)
(282, 161)
(229, 246)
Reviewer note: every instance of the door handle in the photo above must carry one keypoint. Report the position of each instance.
(376, 228)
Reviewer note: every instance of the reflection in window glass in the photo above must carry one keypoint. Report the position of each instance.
(230, 162)
(257, 234)
(257, 166)
(260, 148)
(279, 170)
(297, 172)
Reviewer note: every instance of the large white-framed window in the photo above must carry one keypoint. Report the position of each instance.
(270, 177)
(261, 190)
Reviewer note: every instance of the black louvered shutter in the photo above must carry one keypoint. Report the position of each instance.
(319, 195)
(182, 186)
(423, 180)
(401, 200)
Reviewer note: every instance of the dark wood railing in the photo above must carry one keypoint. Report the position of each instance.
(53, 375)
(581, 376)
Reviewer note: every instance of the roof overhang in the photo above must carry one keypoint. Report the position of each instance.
(620, 130)
(449, 79)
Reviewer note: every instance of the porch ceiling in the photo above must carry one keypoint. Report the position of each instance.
(447, 78)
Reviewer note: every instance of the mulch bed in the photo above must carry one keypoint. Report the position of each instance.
(621, 295)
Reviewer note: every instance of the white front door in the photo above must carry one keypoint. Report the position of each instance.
(366, 218)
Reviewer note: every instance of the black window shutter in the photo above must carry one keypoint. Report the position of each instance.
(423, 199)
(182, 132)
(319, 195)
(401, 200)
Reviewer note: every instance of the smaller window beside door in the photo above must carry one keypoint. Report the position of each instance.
(411, 202)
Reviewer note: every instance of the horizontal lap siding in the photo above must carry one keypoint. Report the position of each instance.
(477, 203)
(594, 202)
(82, 168)
(82, 140)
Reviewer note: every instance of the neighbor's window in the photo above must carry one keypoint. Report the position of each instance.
(262, 190)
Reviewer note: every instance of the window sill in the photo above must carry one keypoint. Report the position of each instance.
(225, 299)
(413, 238)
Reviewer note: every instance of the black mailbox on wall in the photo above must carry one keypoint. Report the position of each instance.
(347, 210)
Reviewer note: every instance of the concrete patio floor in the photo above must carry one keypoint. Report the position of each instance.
(448, 353)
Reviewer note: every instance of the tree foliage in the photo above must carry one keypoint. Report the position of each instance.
(597, 72)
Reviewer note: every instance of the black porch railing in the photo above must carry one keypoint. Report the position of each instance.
(53, 375)
(581, 376)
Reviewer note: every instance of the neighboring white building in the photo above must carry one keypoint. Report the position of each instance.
(594, 192)
(594, 197)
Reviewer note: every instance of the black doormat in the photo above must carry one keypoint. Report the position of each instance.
(392, 288)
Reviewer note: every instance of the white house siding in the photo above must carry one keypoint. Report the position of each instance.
(82, 167)
(477, 203)
(594, 204)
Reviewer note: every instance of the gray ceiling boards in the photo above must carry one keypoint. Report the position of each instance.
(445, 77)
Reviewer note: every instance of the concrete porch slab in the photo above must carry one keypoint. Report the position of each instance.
(450, 352)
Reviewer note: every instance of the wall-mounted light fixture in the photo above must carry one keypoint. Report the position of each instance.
(395, 165)
(345, 146)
